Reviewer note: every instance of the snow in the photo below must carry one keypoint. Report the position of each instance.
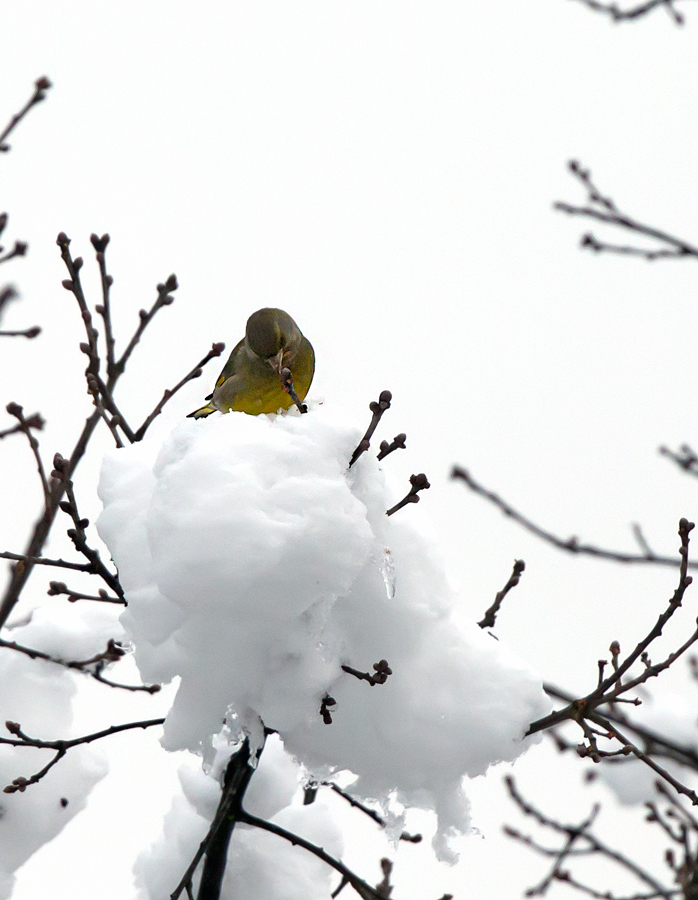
(254, 564)
(38, 695)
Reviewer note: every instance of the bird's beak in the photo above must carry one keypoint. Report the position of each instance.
(277, 362)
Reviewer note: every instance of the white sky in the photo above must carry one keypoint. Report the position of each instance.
(384, 171)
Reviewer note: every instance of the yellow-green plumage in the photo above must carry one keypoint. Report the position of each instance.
(250, 381)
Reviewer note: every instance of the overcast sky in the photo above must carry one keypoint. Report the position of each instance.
(385, 172)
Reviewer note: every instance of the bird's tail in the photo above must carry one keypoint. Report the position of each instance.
(202, 412)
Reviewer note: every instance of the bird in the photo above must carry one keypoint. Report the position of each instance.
(253, 379)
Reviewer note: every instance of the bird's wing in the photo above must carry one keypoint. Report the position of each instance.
(232, 365)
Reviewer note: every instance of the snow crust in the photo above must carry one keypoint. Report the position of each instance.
(254, 563)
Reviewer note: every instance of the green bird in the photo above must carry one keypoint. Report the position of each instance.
(256, 380)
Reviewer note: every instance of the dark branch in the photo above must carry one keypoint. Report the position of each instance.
(618, 14)
(419, 483)
(41, 86)
(93, 667)
(381, 672)
(490, 616)
(377, 409)
(571, 545)
(372, 814)
(61, 747)
(603, 209)
(216, 350)
(686, 458)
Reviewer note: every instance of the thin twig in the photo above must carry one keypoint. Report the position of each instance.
(113, 653)
(372, 814)
(571, 545)
(377, 407)
(41, 86)
(603, 209)
(61, 747)
(216, 350)
(381, 672)
(27, 426)
(490, 616)
(418, 483)
(617, 14)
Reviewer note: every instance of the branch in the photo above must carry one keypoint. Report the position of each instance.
(594, 843)
(216, 350)
(113, 653)
(571, 545)
(489, 618)
(214, 846)
(41, 86)
(372, 814)
(686, 458)
(634, 12)
(61, 747)
(26, 426)
(77, 534)
(377, 409)
(419, 483)
(362, 888)
(381, 672)
(603, 209)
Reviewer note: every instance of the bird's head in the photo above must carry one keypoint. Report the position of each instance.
(272, 334)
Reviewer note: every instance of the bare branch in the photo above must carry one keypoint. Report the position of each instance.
(490, 616)
(381, 672)
(617, 14)
(93, 667)
(216, 350)
(377, 407)
(419, 483)
(603, 209)
(571, 545)
(686, 458)
(61, 747)
(41, 86)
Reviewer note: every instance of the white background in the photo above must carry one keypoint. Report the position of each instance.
(385, 172)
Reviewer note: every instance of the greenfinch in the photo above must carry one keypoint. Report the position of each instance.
(252, 381)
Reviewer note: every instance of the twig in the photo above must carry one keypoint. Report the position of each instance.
(399, 442)
(287, 385)
(61, 747)
(41, 86)
(646, 758)
(381, 672)
(362, 888)
(77, 534)
(603, 209)
(216, 350)
(104, 309)
(594, 843)
(686, 458)
(27, 332)
(113, 653)
(634, 12)
(377, 409)
(660, 744)
(43, 561)
(610, 688)
(419, 483)
(164, 298)
(489, 618)
(19, 249)
(571, 545)
(26, 426)
(372, 814)
(58, 587)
